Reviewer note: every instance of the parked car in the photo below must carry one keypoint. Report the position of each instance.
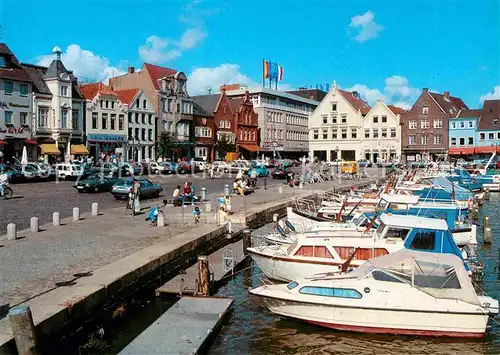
(96, 183)
(68, 171)
(280, 173)
(42, 171)
(13, 174)
(260, 169)
(199, 164)
(336, 162)
(239, 165)
(365, 163)
(184, 167)
(122, 188)
(164, 167)
(221, 166)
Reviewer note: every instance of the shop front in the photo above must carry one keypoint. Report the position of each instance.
(12, 142)
(101, 145)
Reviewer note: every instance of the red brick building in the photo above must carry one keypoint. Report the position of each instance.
(424, 129)
(246, 126)
(204, 133)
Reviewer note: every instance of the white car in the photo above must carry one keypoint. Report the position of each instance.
(64, 171)
(221, 166)
(336, 162)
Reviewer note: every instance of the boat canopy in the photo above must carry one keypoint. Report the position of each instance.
(400, 199)
(409, 221)
(439, 275)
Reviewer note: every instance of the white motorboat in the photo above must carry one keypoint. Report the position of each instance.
(407, 292)
(321, 253)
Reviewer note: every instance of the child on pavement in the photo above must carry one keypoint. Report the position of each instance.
(196, 214)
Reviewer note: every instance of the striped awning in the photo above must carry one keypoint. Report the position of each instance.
(79, 149)
(49, 149)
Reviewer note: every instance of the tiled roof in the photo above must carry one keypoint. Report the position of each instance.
(468, 113)
(127, 96)
(490, 112)
(356, 102)
(55, 68)
(36, 73)
(450, 106)
(13, 69)
(397, 110)
(235, 104)
(156, 72)
(89, 91)
(207, 102)
(200, 111)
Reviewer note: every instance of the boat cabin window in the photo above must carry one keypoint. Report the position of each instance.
(424, 240)
(330, 292)
(314, 251)
(292, 285)
(380, 275)
(393, 232)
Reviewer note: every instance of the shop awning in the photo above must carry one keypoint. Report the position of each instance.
(250, 147)
(79, 149)
(30, 141)
(486, 150)
(50, 149)
(2, 142)
(461, 151)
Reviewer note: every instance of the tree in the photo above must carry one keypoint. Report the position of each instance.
(224, 146)
(164, 145)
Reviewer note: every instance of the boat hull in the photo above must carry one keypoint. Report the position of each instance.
(383, 321)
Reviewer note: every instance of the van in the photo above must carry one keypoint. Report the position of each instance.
(65, 170)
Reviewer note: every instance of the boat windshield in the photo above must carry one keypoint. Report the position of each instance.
(384, 231)
(360, 221)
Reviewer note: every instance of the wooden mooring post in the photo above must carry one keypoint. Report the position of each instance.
(203, 276)
(247, 240)
(21, 321)
(487, 236)
(487, 194)
(486, 222)
(474, 213)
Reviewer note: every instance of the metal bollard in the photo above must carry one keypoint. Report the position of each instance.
(487, 194)
(56, 219)
(161, 220)
(208, 207)
(34, 225)
(226, 190)
(275, 217)
(280, 189)
(11, 231)
(203, 193)
(95, 209)
(486, 222)
(76, 214)
(23, 328)
(247, 240)
(265, 183)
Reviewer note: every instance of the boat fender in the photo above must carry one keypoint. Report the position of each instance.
(290, 225)
(280, 230)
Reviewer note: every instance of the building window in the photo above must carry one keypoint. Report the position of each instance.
(64, 118)
(334, 106)
(424, 140)
(129, 133)
(130, 117)
(367, 133)
(438, 123)
(112, 104)
(102, 103)
(375, 119)
(453, 141)
(202, 132)
(64, 90)
(74, 119)
(136, 117)
(344, 119)
(461, 141)
(393, 132)
(384, 132)
(438, 139)
(334, 134)
(453, 125)
(3, 64)
(413, 124)
(491, 136)
(344, 133)
(104, 121)
(325, 134)
(462, 124)
(253, 136)
(143, 134)
(334, 119)
(375, 133)
(424, 124)
(228, 124)
(143, 118)
(498, 136)
(482, 136)
(137, 133)
(495, 121)
(178, 108)
(325, 120)
(384, 119)
(107, 104)
(144, 105)
(43, 116)
(412, 140)
(354, 133)
(470, 141)
(8, 87)
(150, 135)
(315, 134)
(221, 124)
(8, 117)
(23, 89)
(113, 121)
(425, 110)
(150, 119)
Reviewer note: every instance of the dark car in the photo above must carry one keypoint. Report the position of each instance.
(96, 183)
(123, 187)
(280, 173)
(184, 167)
(13, 174)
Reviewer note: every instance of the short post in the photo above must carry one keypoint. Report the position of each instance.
(486, 222)
(247, 240)
(76, 214)
(160, 222)
(11, 231)
(203, 193)
(95, 209)
(34, 225)
(21, 322)
(226, 190)
(275, 218)
(265, 183)
(487, 235)
(474, 214)
(229, 228)
(301, 185)
(487, 194)
(280, 189)
(56, 219)
(203, 276)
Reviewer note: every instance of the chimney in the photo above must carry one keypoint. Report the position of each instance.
(447, 94)
(425, 90)
(131, 70)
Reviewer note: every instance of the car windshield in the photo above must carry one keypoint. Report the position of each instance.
(126, 182)
(76, 167)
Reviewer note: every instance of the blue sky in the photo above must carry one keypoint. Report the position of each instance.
(388, 50)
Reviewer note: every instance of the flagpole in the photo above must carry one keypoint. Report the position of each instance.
(263, 73)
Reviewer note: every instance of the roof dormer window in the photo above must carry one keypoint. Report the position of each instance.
(3, 62)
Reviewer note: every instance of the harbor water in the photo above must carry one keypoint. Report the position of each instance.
(251, 329)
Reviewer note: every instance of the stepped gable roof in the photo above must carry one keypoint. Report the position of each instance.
(157, 72)
(356, 101)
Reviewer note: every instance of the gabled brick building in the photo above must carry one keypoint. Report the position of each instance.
(246, 126)
(424, 129)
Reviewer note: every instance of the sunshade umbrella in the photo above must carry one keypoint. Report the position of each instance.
(24, 157)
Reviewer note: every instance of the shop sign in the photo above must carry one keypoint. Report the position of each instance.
(105, 137)
(12, 130)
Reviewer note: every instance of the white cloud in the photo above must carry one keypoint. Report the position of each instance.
(158, 50)
(86, 65)
(396, 91)
(492, 95)
(367, 26)
(192, 37)
(201, 80)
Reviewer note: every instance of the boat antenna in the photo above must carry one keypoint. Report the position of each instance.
(346, 264)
